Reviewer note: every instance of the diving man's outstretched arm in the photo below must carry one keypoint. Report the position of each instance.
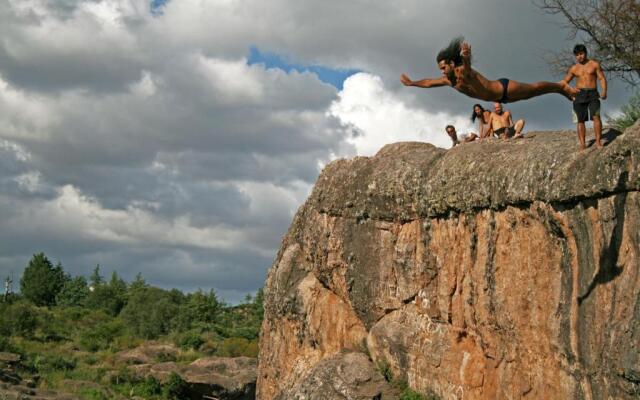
(425, 83)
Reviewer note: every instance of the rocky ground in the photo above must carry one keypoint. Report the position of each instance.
(14, 387)
(221, 378)
(217, 378)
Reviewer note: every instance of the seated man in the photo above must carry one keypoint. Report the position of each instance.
(455, 64)
(451, 131)
(501, 123)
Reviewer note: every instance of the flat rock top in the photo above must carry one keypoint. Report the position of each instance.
(407, 180)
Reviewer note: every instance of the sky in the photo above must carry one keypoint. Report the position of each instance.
(177, 138)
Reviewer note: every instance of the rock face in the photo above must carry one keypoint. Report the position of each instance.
(495, 270)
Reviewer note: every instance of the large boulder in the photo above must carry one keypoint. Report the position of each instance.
(343, 376)
(492, 270)
(221, 377)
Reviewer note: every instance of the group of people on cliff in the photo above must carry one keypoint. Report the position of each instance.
(455, 63)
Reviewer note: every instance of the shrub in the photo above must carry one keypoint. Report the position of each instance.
(148, 387)
(93, 394)
(189, 340)
(385, 370)
(56, 363)
(237, 347)
(630, 114)
(176, 388)
(21, 319)
(149, 312)
(101, 336)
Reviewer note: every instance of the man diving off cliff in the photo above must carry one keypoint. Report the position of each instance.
(455, 63)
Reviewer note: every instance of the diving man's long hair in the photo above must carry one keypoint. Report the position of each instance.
(451, 52)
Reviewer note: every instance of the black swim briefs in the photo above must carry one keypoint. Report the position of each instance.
(586, 105)
(510, 131)
(505, 85)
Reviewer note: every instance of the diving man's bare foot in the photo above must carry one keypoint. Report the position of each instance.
(568, 91)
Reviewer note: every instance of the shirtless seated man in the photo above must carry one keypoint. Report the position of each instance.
(451, 131)
(455, 64)
(501, 123)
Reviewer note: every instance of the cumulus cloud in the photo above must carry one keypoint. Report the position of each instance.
(378, 117)
(140, 139)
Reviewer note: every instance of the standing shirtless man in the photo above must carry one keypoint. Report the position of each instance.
(586, 106)
(501, 123)
(455, 64)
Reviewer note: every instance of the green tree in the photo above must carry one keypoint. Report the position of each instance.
(138, 283)
(96, 279)
(199, 308)
(149, 312)
(630, 114)
(204, 307)
(74, 292)
(41, 281)
(110, 297)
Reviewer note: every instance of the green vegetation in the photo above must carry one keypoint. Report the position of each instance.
(41, 282)
(406, 393)
(630, 114)
(70, 329)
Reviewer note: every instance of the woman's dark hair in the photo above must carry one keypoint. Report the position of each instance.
(473, 113)
(451, 52)
(446, 128)
(579, 48)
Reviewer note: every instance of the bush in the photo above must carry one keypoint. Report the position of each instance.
(176, 388)
(56, 363)
(147, 388)
(149, 312)
(630, 114)
(238, 347)
(101, 336)
(20, 319)
(93, 394)
(189, 340)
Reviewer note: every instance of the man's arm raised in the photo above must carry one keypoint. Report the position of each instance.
(425, 83)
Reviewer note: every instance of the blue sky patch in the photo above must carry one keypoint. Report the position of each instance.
(156, 6)
(335, 77)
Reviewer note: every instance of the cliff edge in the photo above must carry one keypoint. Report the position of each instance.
(495, 270)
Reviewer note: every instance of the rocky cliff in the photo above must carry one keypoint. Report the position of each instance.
(495, 270)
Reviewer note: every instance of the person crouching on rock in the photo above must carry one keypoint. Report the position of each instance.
(501, 123)
(482, 116)
(451, 131)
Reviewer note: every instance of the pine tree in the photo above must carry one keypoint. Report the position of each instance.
(41, 281)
